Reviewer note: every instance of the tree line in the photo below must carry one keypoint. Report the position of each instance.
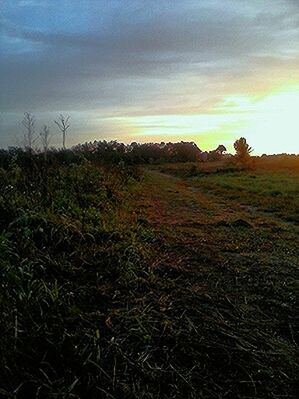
(113, 151)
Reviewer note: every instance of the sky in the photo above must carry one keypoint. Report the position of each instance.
(208, 71)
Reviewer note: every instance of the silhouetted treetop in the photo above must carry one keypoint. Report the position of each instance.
(242, 148)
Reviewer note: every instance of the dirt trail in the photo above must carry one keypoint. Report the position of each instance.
(196, 226)
(174, 201)
(224, 275)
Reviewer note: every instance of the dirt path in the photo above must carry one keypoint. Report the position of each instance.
(197, 226)
(174, 201)
(223, 275)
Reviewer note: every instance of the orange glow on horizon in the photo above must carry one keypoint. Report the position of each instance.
(270, 123)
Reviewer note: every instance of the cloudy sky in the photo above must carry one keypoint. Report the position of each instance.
(209, 71)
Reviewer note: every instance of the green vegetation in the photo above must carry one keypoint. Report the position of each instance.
(122, 284)
(277, 193)
(67, 245)
(243, 149)
(268, 185)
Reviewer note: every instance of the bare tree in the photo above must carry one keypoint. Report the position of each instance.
(29, 124)
(45, 139)
(63, 124)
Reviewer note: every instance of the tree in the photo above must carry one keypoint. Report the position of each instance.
(242, 148)
(220, 149)
(217, 154)
(45, 139)
(29, 124)
(63, 124)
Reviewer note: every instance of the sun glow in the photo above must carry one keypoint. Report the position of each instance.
(270, 123)
(274, 123)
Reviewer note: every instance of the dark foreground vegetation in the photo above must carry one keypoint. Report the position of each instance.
(106, 294)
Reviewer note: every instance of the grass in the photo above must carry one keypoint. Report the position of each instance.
(277, 193)
(58, 253)
(108, 290)
(268, 185)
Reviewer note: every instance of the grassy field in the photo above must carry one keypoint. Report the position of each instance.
(268, 186)
(180, 281)
(276, 193)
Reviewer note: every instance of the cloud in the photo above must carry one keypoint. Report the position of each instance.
(134, 57)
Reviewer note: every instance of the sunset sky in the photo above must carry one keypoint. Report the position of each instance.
(207, 71)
